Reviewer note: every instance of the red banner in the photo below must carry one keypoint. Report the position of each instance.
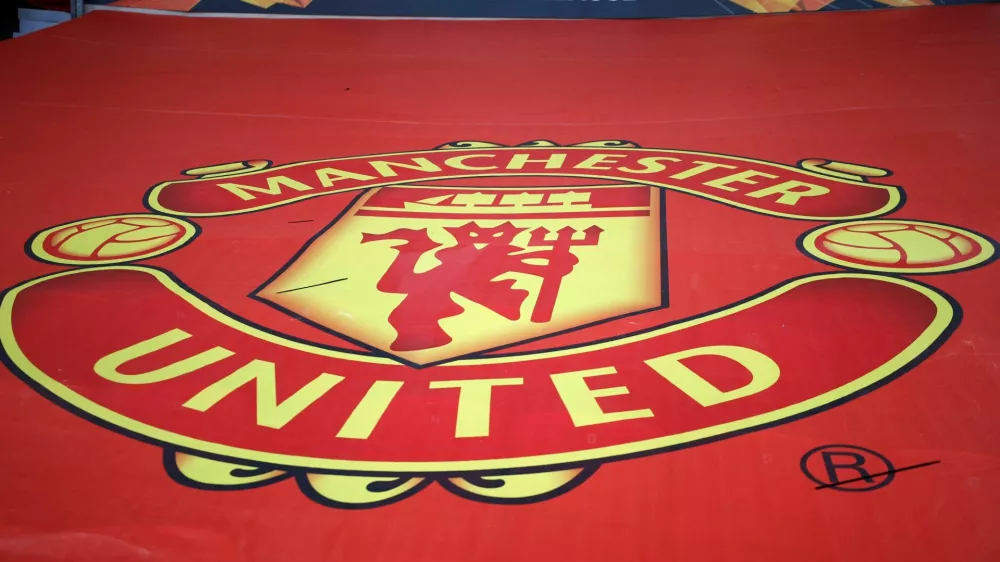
(151, 358)
(810, 192)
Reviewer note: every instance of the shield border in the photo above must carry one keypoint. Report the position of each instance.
(664, 293)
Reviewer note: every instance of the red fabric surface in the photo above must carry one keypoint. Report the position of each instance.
(100, 109)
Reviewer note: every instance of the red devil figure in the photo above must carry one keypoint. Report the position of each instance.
(471, 268)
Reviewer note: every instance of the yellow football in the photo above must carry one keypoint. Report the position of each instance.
(111, 239)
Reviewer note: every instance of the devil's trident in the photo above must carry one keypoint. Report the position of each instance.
(560, 262)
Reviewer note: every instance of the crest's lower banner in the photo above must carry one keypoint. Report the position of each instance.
(182, 373)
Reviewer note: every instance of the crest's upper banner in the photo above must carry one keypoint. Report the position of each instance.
(812, 191)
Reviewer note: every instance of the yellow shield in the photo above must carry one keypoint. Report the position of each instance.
(430, 273)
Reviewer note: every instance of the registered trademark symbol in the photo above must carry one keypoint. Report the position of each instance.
(849, 468)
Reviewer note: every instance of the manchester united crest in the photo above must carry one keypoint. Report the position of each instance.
(496, 320)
